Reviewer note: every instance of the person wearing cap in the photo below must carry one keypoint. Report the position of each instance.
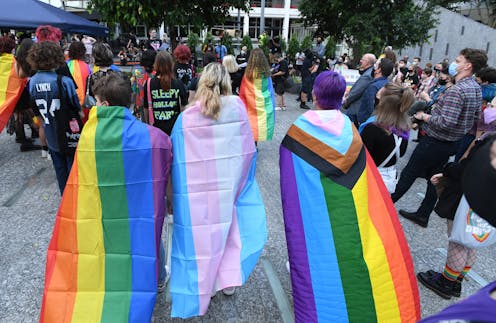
(475, 178)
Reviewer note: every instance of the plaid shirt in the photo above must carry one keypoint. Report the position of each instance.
(455, 113)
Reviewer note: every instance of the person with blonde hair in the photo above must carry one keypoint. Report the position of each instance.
(164, 94)
(232, 68)
(386, 133)
(257, 93)
(219, 216)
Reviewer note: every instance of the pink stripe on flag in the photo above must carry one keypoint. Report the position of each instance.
(322, 120)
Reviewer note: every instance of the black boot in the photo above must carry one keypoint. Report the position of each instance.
(304, 106)
(28, 146)
(437, 283)
(412, 216)
(457, 287)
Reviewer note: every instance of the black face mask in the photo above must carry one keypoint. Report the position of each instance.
(442, 82)
(404, 70)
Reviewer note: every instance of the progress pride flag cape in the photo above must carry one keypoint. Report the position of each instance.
(102, 261)
(219, 216)
(349, 259)
(11, 87)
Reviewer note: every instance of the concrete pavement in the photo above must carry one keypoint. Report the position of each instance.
(29, 199)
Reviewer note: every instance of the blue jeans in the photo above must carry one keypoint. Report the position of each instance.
(62, 165)
(427, 159)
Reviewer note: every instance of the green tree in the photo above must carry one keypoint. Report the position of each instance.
(330, 48)
(198, 14)
(263, 43)
(306, 43)
(193, 41)
(227, 41)
(208, 39)
(369, 25)
(293, 47)
(284, 45)
(246, 41)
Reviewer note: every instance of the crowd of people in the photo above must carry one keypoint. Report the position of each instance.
(451, 105)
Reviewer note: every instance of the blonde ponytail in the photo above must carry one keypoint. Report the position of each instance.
(214, 82)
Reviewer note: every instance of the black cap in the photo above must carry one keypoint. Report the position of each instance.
(479, 182)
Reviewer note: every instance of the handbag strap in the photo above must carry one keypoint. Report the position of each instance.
(151, 120)
(396, 151)
(88, 85)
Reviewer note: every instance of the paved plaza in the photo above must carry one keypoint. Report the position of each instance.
(29, 199)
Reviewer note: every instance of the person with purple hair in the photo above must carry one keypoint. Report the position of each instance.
(332, 198)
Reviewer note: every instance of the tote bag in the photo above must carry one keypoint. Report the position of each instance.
(471, 230)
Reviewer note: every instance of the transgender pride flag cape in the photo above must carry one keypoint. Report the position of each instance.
(102, 260)
(219, 216)
(11, 87)
(349, 259)
(258, 96)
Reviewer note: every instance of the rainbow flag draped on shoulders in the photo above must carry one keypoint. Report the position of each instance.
(11, 87)
(102, 262)
(349, 259)
(219, 216)
(80, 72)
(258, 97)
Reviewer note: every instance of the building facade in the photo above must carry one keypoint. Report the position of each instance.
(453, 33)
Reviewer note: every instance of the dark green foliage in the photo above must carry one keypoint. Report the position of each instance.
(246, 41)
(368, 25)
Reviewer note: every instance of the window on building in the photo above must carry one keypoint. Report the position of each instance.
(430, 54)
(435, 36)
(295, 4)
(273, 27)
(463, 30)
(446, 52)
(268, 3)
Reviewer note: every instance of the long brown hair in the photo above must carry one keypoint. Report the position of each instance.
(393, 105)
(257, 66)
(164, 65)
(214, 82)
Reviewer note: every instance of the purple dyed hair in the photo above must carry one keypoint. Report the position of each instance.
(329, 89)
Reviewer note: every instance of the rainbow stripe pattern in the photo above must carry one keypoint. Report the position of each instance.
(102, 261)
(11, 87)
(219, 216)
(349, 259)
(80, 72)
(258, 97)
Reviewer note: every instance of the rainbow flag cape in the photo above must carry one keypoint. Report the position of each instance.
(11, 87)
(102, 261)
(348, 256)
(258, 96)
(219, 216)
(80, 71)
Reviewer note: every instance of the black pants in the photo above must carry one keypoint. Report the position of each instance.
(427, 159)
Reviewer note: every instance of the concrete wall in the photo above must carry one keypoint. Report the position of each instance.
(453, 33)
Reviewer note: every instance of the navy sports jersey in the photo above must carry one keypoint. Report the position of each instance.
(45, 94)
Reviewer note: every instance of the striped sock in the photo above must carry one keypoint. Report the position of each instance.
(464, 273)
(450, 274)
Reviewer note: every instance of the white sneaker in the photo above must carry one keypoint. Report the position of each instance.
(278, 108)
(49, 157)
(44, 153)
(283, 108)
(229, 291)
